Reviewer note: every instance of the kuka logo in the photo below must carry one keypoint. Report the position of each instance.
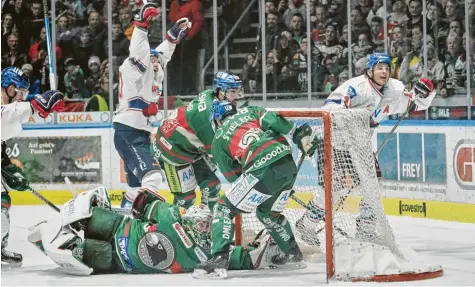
(74, 118)
(464, 164)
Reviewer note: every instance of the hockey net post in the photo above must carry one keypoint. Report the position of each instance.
(355, 238)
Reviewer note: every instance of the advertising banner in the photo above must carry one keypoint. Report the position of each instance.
(47, 160)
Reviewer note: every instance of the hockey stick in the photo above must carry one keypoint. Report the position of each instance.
(388, 136)
(52, 73)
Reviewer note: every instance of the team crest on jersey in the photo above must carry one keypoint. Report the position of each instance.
(156, 250)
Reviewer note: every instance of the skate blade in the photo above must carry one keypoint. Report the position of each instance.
(219, 273)
(290, 266)
(11, 265)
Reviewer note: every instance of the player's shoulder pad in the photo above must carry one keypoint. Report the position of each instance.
(395, 85)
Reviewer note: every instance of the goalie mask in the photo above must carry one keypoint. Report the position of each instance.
(197, 223)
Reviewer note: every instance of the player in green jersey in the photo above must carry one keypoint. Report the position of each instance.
(252, 152)
(183, 144)
(166, 239)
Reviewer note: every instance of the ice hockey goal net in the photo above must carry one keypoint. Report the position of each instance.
(354, 236)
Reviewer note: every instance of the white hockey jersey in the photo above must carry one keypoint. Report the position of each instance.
(138, 86)
(13, 115)
(361, 92)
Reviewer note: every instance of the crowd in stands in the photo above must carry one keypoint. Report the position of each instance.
(83, 64)
(286, 43)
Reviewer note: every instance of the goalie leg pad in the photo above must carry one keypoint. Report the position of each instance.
(102, 224)
(98, 255)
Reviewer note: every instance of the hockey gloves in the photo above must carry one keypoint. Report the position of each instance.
(144, 198)
(304, 139)
(15, 178)
(51, 101)
(178, 31)
(423, 88)
(144, 17)
(151, 110)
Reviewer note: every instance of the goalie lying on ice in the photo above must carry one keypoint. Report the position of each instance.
(167, 239)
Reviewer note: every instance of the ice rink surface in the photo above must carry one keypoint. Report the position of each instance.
(450, 244)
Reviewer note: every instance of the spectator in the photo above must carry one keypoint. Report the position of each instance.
(439, 26)
(97, 32)
(125, 18)
(398, 33)
(337, 11)
(343, 40)
(415, 14)
(376, 10)
(402, 51)
(74, 81)
(65, 35)
(191, 9)
(360, 66)
(399, 14)
(452, 12)
(330, 73)
(249, 75)
(84, 49)
(187, 64)
(36, 23)
(456, 27)
(120, 44)
(13, 56)
(272, 32)
(94, 66)
(365, 7)
(19, 13)
(358, 24)
(435, 68)
(8, 27)
(41, 45)
(299, 65)
(330, 44)
(362, 48)
(269, 6)
(286, 49)
(320, 19)
(377, 32)
(293, 7)
(296, 27)
(417, 37)
(34, 81)
(343, 77)
(99, 101)
(455, 61)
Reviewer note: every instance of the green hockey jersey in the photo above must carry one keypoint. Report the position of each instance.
(250, 140)
(186, 133)
(158, 243)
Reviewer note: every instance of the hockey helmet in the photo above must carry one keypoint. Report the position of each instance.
(226, 81)
(13, 75)
(377, 58)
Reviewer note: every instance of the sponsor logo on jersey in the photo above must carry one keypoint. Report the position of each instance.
(123, 244)
(274, 153)
(182, 234)
(464, 163)
(156, 250)
(169, 126)
(200, 254)
(202, 102)
(166, 143)
(408, 208)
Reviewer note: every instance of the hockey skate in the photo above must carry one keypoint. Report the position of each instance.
(293, 257)
(11, 259)
(215, 268)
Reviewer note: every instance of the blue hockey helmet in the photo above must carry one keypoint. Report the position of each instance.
(154, 53)
(222, 109)
(15, 76)
(227, 81)
(377, 58)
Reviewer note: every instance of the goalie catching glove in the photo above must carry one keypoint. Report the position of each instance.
(178, 30)
(306, 141)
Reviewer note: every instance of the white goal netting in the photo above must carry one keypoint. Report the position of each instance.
(362, 244)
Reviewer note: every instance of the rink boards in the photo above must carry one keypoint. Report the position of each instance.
(428, 166)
